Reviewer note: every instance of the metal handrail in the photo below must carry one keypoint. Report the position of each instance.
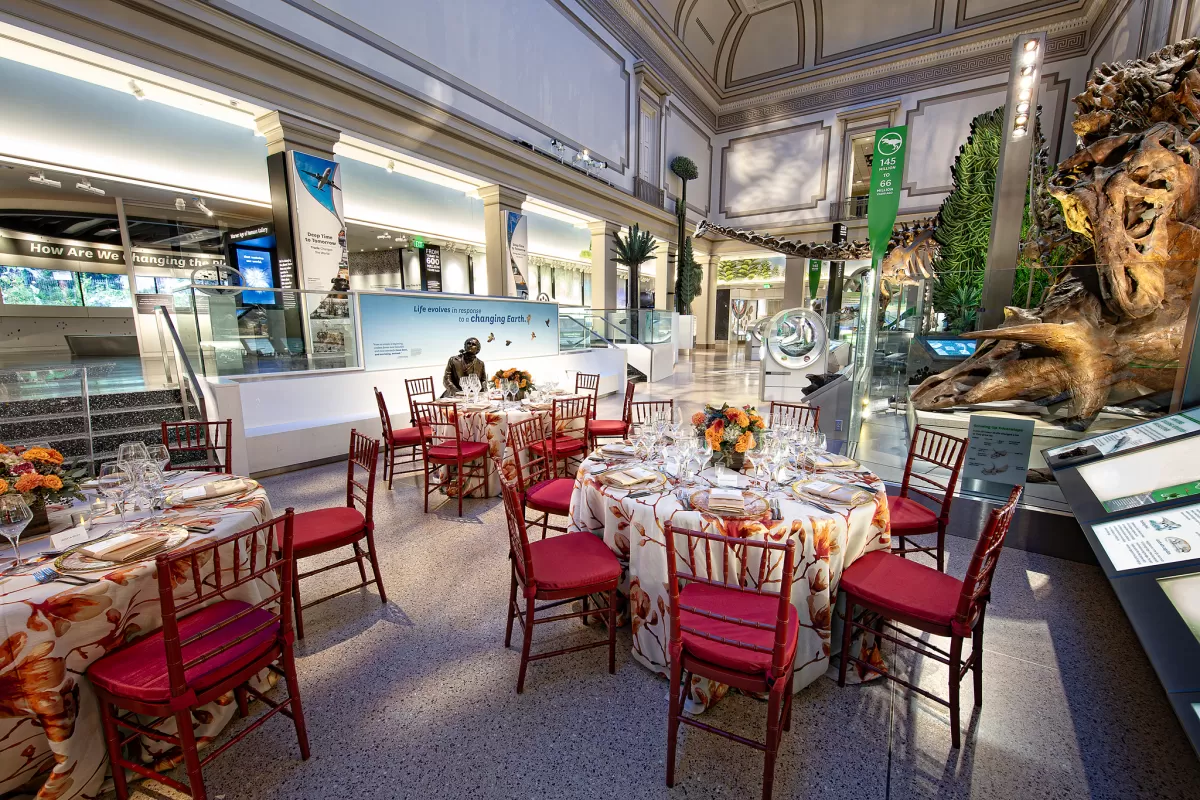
(84, 396)
(182, 358)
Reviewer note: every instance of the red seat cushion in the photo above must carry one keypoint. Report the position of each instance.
(906, 587)
(139, 670)
(567, 445)
(553, 495)
(406, 437)
(447, 452)
(324, 529)
(909, 516)
(607, 427)
(730, 603)
(573, 561)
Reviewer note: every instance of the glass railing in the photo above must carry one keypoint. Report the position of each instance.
(577, 333)
(265, 331)
(622, 326)
(655, 327)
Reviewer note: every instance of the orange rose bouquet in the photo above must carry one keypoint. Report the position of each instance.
(39, 475)
(730, 430)
(523, 379)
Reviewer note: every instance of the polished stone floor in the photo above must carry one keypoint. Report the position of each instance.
(416, 698)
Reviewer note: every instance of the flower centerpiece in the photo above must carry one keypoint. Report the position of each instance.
(523, 379)
(38, 475)
(730, 431)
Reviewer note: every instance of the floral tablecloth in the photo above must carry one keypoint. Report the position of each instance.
(825, 545)
(491, 426)
(51, 740)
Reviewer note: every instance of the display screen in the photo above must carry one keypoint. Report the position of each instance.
(1145, 477)
(255, 266)
(952, 348)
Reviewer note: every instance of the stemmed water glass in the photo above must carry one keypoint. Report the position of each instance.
(149, 479)
(160, 455)
(14, 517)
(114, 484)
(131, 452)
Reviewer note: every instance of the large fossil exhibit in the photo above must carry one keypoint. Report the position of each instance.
(1110, 331)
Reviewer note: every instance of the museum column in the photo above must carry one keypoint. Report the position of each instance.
(795, 281)
(705, 306)
(604, 269)
(664, 276)
(496, 200)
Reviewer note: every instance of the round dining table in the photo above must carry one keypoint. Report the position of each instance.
(829, 536)
(51, 741)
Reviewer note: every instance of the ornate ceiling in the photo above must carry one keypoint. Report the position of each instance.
(735, 52)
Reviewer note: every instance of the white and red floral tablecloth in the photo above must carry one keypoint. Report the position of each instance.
(51, 740)
(826, 543)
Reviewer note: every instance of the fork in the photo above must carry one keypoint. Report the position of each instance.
(48, 574)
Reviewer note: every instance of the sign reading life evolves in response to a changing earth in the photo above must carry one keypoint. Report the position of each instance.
(998, 449)
(405, 330)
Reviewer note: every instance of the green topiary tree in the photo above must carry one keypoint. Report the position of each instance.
(687, 271)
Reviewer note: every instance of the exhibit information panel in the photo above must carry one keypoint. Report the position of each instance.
(998, 449)
(420, 330)
(1165, 537)
(1184, 593)
(1166, 472)
(1163, 429)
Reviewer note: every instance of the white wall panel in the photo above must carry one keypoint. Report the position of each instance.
(777, 171)
(686, 138)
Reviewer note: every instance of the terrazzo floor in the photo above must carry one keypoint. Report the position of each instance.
(416, 698)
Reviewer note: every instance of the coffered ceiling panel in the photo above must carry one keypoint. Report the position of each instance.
(667, 9)
(766, 43)
(850, 27)
(705, 25)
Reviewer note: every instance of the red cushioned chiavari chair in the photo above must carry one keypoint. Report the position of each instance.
(467, 462)
(329, 529)
(420, 390)
(401, 446)
(641, 412)
(537, 478)
(208, 646)
(911, 517)
(612, 428)
(589, 383)
(931, 601)
(566, 437)
(804, 416)
(728, 628)
(213, 441)
(558, 571)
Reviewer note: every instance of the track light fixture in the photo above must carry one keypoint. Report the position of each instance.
(180, 204)
(391, 165)
(85, 185)
(200, 205)
(40, 179)
(138, 91)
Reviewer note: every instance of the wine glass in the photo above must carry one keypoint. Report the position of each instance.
(14, 517)
(114, 484)
(149, 478)
(160, 455)
(131, 452)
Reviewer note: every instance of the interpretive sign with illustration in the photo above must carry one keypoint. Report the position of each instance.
(412, 330)
(516, 253)
(998, 449)
(318, 220)
(1163, 538)
(887, 167)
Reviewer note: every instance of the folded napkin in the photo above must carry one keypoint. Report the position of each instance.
(474, 406)
(214, 489)
(125, 547)
(837, 492)
(617, 449)
(633, 476)
(726, 500)
(832, 460)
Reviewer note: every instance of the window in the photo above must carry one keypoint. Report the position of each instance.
(105, 290)
(27, 286)
(144, 284)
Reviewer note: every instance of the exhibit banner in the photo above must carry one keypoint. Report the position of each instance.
(887, 167)
(516, 253)
(814, 278)
(431, 268)
(409, 330)
(998, 449)
(317, 220)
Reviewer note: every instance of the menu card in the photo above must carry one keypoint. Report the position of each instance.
(1150, 539)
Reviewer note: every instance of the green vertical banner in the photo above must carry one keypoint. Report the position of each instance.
(887, 167)
(814, 278)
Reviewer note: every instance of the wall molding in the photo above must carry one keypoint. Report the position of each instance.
(963, 20)
(821, 57)
(824, 130)
(670, 111)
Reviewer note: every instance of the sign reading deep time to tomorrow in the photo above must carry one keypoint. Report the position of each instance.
(406, 330)
(887, 168)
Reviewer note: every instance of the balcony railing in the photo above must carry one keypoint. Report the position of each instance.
(648, 192)
(851, 208)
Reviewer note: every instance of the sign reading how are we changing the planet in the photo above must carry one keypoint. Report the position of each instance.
(407, 330)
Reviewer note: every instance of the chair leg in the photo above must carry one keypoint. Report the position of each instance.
(941, 548)
(903, 549)
(461, 483)
(426, 487)
(545, 523)
(526, 644)
(774, 718)
(512, 609)
(612, 631)
(977, 657)
(674, 703)
(243, 701)
(112, 738)
(847, 630)
(296, 599)
(584, 604)
(956, 644)
(374, 556)
(293, 687)
(789, 695)
(362, 569)
(191, 758)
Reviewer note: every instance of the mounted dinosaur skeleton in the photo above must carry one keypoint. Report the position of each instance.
(1112, 332)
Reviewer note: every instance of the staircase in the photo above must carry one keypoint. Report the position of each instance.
(634, 375)
(116, 419)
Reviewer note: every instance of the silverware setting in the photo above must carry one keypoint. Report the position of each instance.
(48, 574)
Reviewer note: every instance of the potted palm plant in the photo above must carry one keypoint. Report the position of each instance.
(631, 251)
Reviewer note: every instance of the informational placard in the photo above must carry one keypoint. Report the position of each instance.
(317, 219)
(1184, 593)
(1163, 429)
(1164, 537)
(998, 450)
(14, 244)
(1166, 471)
(431, 268)
(952, 348)
(255, 266)
(147, 303)
(410, 330)
(516, 253)
(887, 169)
(814, 278)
